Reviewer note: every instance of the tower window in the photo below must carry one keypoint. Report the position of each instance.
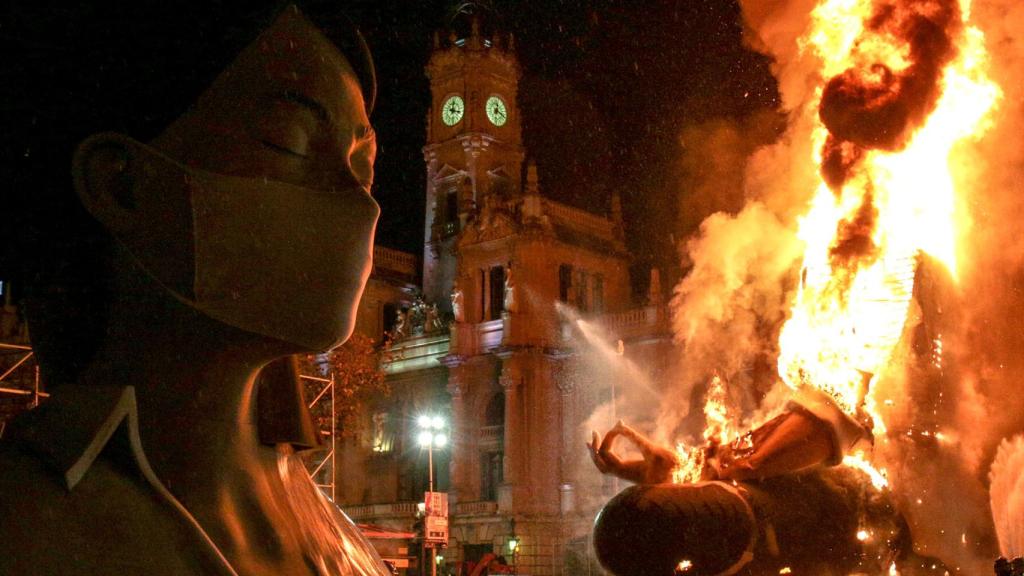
(564, 282)
(581, 291)
(451, 213)
(497, 300)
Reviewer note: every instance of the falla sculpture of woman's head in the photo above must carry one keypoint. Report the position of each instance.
(189, 200)
(247, 200)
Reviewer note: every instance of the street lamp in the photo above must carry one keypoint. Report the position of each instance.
(513, 549)
(431, 435)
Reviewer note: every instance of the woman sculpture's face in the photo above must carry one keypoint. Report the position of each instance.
(289, 108)
(270, 172)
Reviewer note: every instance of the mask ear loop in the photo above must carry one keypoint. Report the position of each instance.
(101, 210)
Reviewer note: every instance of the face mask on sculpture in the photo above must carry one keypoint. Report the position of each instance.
(269, 257)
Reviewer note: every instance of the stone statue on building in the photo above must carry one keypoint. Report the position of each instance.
(432, 319)
(401, 327)
(458, 312)
(510, 291)
(416, 317)
(161, 274)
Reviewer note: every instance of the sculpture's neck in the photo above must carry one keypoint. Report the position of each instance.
(195, 390)
(194, 378)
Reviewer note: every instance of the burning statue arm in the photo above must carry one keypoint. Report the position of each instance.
(811, 432)
(795, 440)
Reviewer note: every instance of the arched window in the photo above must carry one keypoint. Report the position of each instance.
(494, 415)
(492, 456)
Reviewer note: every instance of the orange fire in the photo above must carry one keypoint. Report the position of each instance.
(905, 82)
(720, 428)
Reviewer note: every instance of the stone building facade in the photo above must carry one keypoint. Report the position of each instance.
(512, 336)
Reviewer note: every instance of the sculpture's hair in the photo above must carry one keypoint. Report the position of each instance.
(123, 66)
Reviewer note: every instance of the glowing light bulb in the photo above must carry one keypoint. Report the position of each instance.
(425, 438)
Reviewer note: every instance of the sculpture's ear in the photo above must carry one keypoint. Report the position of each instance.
(102, 170)
(143, 199)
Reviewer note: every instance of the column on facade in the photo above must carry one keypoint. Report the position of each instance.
(485, 288)
(461, 483)
(570, 445)
(515, 434)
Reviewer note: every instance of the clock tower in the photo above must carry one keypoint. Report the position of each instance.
(474, 151)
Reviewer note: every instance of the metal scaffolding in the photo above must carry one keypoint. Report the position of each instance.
(325, 394)
(13, 378)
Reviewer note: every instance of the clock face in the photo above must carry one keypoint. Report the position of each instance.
(496, 111)
(452, 110)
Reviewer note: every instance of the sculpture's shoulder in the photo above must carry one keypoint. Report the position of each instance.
(110, 523)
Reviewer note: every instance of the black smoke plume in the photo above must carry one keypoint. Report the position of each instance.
(872, 106)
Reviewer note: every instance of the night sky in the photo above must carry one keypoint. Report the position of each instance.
(629, 78)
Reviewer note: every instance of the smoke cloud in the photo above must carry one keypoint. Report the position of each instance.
(727, 310)
(743, 183)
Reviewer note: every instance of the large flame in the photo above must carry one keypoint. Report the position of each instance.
(721, 426)
(903, 81)
(906, 82)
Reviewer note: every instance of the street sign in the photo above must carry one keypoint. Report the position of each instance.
(435, 504)
(436, 529)
(435, 520)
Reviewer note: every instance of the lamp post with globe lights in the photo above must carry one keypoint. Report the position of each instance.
(431, 435)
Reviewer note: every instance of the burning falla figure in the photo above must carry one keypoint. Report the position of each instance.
(761, 503)
(902, 82)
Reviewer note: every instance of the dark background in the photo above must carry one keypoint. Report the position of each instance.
(608, 88)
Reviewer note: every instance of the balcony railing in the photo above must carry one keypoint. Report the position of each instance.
(646, 321)
(476, 508)
(394, 261)
(492, 435)
(595, 224)
(408, 510)
(388, 510)
(472, 339)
